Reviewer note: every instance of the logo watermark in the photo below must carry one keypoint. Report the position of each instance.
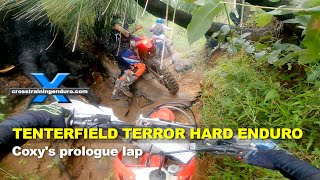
(50, 88)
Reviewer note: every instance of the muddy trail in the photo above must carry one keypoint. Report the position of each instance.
(148, 94)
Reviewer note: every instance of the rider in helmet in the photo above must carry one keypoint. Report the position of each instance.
(158, 31)
(128, 60)
(158, 28)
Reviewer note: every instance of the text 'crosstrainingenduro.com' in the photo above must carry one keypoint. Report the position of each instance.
(48, 91)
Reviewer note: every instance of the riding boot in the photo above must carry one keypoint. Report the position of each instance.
(123, 86)
(116, 94)
(116, 90)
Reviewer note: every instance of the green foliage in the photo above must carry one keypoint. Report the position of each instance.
(236, 43)
(72, 16)
(303, 11)
(202, 19)
(284, 54)
(2, 102)
(228, 168)
(242, 92)
(313, 74)
(248, 92)
(307, 7)
(186, 6)
(312, 41)
(263, 19)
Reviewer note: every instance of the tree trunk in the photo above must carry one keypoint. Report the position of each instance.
(273, 4)
(158, 9)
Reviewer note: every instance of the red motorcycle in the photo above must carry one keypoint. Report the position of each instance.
(149, 166)
(146, 48)
(158, 162)
(147, 52)
(162, 159)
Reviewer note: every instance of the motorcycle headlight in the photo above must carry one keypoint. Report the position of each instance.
(173, 169)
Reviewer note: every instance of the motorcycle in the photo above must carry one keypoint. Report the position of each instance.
(162, 159)
(154, 162)
(147, 51)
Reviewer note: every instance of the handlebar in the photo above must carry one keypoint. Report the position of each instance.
(220, 147)
(101, 117)
(104, 122)
(217, 150)
(232, 149)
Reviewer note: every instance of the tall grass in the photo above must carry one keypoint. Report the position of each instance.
(240, 92)
(77, 17)
(74, 17)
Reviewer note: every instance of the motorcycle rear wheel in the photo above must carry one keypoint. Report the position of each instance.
(164, 76)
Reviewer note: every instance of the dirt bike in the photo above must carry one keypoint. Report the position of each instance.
(147, 51)
(162, 159)
(153, 160)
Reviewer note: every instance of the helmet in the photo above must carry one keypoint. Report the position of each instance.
(160, 20)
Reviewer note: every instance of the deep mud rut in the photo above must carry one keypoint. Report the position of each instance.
(148, 95)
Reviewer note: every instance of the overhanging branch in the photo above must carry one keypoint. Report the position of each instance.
(158, 9)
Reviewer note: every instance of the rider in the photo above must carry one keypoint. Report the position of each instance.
(158, 31)
(288, 165)
(51, 116)
(128, 59)
(39, 116)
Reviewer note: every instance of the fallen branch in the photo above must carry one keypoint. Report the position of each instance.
(158, 9)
